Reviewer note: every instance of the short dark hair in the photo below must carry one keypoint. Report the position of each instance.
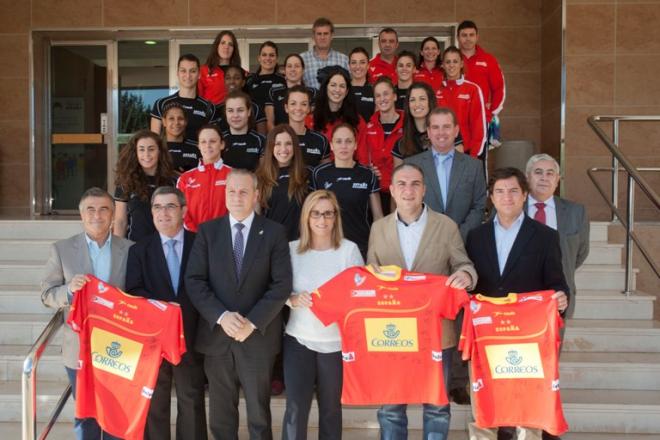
(188, 57)
(388, 30)
(172, 105)
(506, 173)
(466, 24)
(95, 191)
(405, 165)
(322, 21)
(441, 111)
(409, 54)
(166, 190)
(299, 88)
(385, 80)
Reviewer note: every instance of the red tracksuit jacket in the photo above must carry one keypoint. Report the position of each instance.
(378, 68)
(482, 68)
(431, 77)
(377, 150)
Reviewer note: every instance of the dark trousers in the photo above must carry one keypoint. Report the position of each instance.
(459, 368)
(243, 368)
(306, 371)
(188, 378)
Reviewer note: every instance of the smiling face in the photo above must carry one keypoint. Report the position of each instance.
(147, 155)
(238, 113)
(188, 74)
(430, 52)
(297, 106)
(407, 189)
(283, 149)
(543, 180)
(468, 39)
(293, 70)
(267, 59)
(442, 132)
(343, 144)
(358, 65)
(337, 90)
(97, 214)
(405, 68)
(174, 122)
(385, 97)
(418, 103)
(452, 63)
(241, 195)
(225, 49)
(210, 145)
(388, 43)
(508, 197)
(234, 79)
(322, 219)
(167, 214)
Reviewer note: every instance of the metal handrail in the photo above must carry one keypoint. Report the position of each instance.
(634, 177)
(29, 382)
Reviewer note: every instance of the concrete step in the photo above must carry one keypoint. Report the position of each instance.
(601, 252)
(612, 304)
(615, 371)
(22, 299)
(24, 250)
(21, 273)
(49, 369)
(612, 335)
(601, 277)
(605, 411)
(598, 231)
(23, 329)
(46, 229)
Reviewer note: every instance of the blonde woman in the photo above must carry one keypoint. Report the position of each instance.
(312, 351)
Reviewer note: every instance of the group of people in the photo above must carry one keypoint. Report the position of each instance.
(364, 161)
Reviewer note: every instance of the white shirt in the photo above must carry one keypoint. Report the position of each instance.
(246, 230)
(178, 245)
(410, 236)
(550, 210)
(504, 238)
(310, 270)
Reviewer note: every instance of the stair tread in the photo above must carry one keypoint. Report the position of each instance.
(627, 359)
(613, 323)
(613, 294)
(25, 317)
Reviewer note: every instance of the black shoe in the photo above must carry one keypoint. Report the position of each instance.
(548, 436)
(460, 396)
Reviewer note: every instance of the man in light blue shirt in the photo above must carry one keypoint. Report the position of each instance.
(322, 54)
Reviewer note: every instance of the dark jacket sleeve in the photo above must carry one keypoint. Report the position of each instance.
(553, 272)
(135, 271)
(475, 215)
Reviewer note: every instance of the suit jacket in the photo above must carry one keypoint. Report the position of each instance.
(466, 198)
(147, 275)
(534, 262)
(70, 257)
(258, 293)
(440, 252)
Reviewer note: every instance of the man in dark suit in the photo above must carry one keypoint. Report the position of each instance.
(238, 277)
(155, 269)
(455, 182)
(568, 218)
(513, 253)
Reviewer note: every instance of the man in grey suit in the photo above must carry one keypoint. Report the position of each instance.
(455, 182)
(569, 219)
(95, 251)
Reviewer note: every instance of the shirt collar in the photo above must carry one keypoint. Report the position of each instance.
(418, 220)
(90, 241)
(178, 237)
(550, 203)
(217, 165)
(516, 224)
(247, 222)
(441, 156)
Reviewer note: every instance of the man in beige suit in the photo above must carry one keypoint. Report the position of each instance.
(95, 251)
(421, 240)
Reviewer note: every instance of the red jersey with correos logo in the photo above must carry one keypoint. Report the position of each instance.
(513, 344)
(391, 330)
(123, 339)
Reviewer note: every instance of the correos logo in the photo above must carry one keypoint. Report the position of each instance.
(114, 354)
(391, 334)
(515, 361)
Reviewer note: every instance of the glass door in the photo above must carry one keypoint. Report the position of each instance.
(80, 121)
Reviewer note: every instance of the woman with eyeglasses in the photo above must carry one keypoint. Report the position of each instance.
(204, 186)
(312, 351)
(282, 178)
(143, 165)
(356, 186)
(466, 100)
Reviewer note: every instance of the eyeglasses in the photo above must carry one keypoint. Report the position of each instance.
(169, 207)
(328, 215)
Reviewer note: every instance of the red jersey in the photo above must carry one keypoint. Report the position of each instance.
(211, 84)
(513, 343)
(123, 340)
(433, 77)
(377, 150)
(204, 188)
(379, 67)
(464, 97)
(482, 68)
(391, 325)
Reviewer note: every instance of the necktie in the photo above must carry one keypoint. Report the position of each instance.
(443, 176)
(238, 248)
(540, 212)
(173, 264)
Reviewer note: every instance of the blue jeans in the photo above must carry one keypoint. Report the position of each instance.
(394, 422)
(85, 429)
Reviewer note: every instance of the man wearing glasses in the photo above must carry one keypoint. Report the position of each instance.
(155, 269)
